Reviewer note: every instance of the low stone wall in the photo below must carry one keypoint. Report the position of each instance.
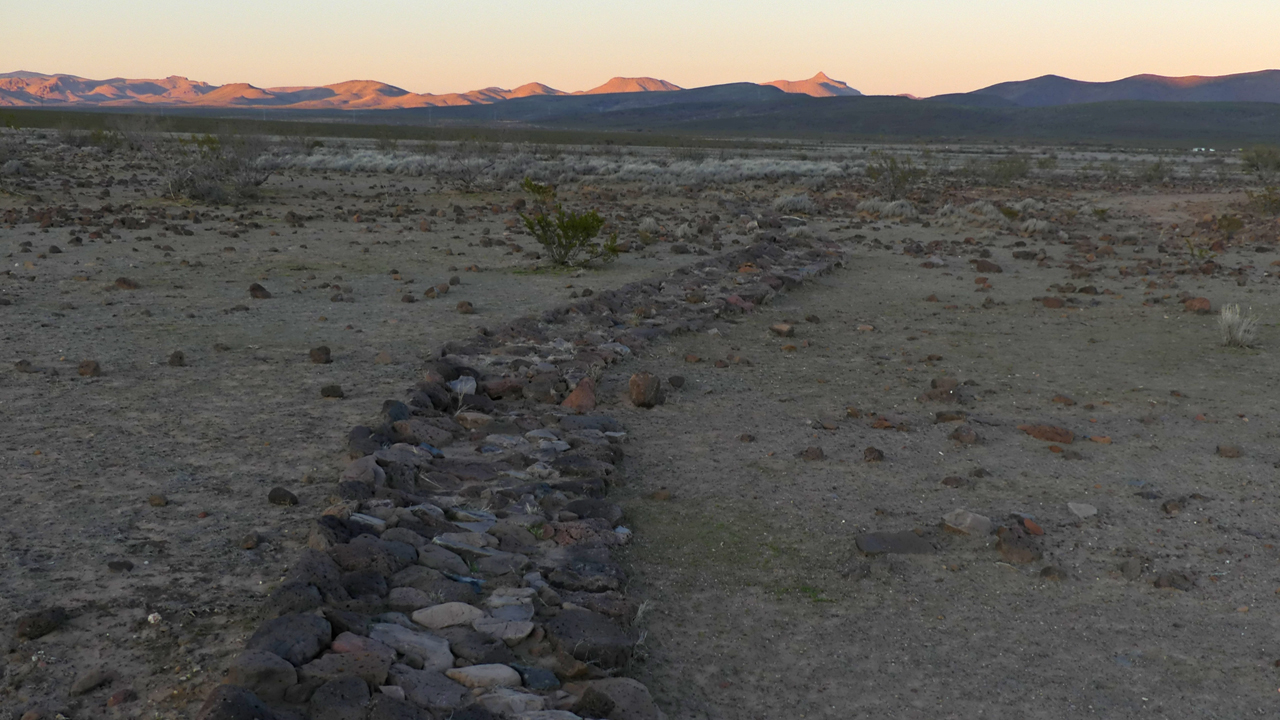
(465, 568)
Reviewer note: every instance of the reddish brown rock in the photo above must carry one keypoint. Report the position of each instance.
(645, 390)
(1063, 400)
(583, 397)
(783, 329)
(125, 283)
(986, 266)
(1229, 451)
(872, 455)
(1053, 303)
(1049, 433)
(1198, 305)
(89, 368)
(964, 435)
(257, 292)
(811, 453)
(1015, 547)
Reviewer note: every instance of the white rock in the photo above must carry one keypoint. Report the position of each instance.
(967, 523)
(1082, 510)
(376, 523)
(485, 676)
(465, 385)
(447, 615)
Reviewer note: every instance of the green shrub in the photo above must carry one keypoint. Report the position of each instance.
(892, 177)
(1263, 161)
(1157, 172)
(569, 238)
(1006, 170)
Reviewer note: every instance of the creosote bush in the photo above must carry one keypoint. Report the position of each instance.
(568, 238)
(892, 177)
(216, 168)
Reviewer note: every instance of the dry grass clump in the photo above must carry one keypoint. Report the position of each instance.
(1033, 226)
(889, 209)
(1237, 329)
(792, 204)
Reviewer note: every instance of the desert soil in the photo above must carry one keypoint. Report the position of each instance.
(763, 607)
(83, 456)
(758, 602)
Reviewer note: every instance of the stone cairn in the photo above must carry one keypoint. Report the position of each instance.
(464, 569)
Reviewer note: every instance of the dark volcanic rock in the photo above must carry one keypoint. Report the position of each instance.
(590, 637)
(296, 638)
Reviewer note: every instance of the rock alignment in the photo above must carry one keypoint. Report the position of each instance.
(464, 567)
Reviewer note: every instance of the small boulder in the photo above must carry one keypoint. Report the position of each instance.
(645, 390)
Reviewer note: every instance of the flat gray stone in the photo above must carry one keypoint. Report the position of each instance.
(432, 649)
(429, 689)
(903, 542)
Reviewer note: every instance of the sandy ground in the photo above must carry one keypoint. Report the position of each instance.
(759, 603)
(81, 457)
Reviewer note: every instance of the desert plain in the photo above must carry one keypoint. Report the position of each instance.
(998, 460)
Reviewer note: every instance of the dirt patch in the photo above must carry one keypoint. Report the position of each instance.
(762, 605)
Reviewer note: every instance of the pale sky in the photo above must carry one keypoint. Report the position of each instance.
(922, 47)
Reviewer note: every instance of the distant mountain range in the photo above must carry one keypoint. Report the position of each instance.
(817, 86)
(1263, 86)
(29, 89)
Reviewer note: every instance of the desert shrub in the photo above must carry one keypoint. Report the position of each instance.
(386, 143)
(468, 166)
(1236, 329)
(1003, 171)
(106, 140)
(139, 133)
(980, 211)
(1047, 163)
(1033, 226)
(689, 154)
(1266, 200)
(889, 208)
(1157, 172)
(216, 169)
(569, 238)
(794, 204)
(1263, 161)
(648, 229)
(891, 176)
